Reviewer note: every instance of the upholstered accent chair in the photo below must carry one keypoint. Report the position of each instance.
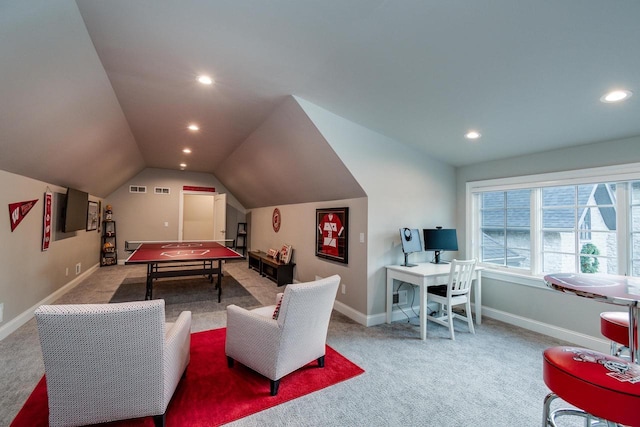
(107, 362)
(274, 342)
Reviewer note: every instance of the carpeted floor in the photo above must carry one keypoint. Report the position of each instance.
(492, 378)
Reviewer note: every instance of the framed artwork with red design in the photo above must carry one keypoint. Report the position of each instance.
(332, 234)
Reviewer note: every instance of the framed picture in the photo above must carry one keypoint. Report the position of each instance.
(332, 234)
(92, 216)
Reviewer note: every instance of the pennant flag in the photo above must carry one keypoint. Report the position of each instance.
(17, 212)
(46, 221)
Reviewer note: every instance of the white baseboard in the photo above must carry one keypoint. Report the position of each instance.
(577, 338)
(573, 337)
(13, 324)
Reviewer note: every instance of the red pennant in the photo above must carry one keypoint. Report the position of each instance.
(17, 212)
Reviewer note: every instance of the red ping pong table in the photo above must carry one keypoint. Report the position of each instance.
(177, 259)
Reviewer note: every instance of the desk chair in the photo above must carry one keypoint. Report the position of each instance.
(456, 292)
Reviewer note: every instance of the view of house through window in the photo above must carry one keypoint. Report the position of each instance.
(566, 228)
(506, 228)
(579, 229)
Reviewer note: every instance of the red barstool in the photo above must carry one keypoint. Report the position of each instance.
(600, 385)
(614, 325)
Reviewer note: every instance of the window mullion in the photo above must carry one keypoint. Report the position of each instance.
(536, 230)
(623, 214)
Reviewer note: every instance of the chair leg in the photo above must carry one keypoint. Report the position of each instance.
(229, 362)
(546, 408)
(450, 319)
(321, 361)
(469, 317)
(159, 420)
(274, 387)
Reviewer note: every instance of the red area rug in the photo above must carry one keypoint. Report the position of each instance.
(212, 394)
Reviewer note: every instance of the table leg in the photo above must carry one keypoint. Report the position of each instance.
(149, 291)
(633, 333)
(423, 312)
(477, 293)
(219, 284)
(389, 297)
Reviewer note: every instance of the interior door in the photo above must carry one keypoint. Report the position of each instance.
(219, 217)
(197, 217)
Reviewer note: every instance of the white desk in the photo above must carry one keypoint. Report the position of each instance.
(424, 275)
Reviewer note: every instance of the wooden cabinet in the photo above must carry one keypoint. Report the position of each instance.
(109, 252)
(268, 267)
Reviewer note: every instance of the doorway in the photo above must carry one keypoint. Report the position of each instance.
(202, 216)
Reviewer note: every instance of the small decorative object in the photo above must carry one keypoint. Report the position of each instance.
(332, 234)
(273, 253)
(285, 254)
(108, 213)
(276, 220)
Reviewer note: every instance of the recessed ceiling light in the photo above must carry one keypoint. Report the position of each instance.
(616, 96)
(194, 127)
(205, 80)
(472, 134)
(186, 150)
(183, 165)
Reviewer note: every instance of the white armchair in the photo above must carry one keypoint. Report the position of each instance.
(277, 347)
(107, 362)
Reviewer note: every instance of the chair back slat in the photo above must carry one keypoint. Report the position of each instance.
(461, 276)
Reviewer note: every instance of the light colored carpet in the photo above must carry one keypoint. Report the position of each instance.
(493, 378)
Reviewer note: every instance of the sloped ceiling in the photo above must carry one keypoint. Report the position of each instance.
(93, 91)
(286, 160)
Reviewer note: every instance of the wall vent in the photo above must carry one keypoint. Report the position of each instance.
(161, 190)
(137, 189)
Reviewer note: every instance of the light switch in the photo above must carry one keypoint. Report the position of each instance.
(361, 237)
(166, 223)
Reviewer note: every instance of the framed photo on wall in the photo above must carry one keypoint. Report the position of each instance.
(332, 234)
(92, 216)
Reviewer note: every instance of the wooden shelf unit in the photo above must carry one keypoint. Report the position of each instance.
(268, 267)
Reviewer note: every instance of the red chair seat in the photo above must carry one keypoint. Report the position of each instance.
(605, 386)
(614, 325)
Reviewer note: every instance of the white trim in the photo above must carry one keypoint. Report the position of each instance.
(27, 315)
(573, 337)
(352, 314)
(617, 173)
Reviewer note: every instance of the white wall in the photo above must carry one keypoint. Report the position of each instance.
(298, 229)
(405, 188)
(143, 216)
(31, 277)
(538, 308)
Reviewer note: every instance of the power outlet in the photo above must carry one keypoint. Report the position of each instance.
(78, 268)
(344, 288)
(400, 298)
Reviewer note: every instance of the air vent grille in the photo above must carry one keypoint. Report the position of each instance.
(137, 189)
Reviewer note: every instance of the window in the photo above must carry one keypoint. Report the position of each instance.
(579, 229)
(581, 221)
(635, 228)
(505, 228)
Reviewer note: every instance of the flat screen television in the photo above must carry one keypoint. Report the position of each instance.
(410, 238)
(440, 239)
(75, 210)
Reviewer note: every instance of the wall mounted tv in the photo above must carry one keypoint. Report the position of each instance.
(75, 210)
(440, 239)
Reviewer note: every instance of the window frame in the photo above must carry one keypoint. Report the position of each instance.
(532, 276)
